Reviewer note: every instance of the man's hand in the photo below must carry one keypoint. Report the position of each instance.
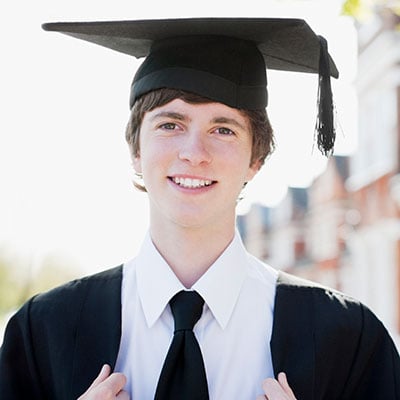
(106, 386)
(277, 389)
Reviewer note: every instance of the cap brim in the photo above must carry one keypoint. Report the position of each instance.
(286, 44)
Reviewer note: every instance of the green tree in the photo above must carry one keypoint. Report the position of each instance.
(20, 279)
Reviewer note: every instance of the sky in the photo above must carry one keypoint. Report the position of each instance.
(65, 173)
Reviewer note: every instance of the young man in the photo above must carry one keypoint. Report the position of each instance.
(194, 316)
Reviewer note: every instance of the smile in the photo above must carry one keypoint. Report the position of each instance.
(191, 183)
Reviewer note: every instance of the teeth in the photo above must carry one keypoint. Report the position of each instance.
(191, 183)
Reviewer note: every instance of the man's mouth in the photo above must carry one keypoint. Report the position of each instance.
(191, 183)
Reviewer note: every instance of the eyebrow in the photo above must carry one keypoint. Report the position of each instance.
(170, 114)
(182, 117)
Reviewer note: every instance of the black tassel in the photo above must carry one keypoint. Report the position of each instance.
(325, 129)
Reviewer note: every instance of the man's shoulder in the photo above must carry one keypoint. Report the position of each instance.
(304, 287)
(70, 296)
(323, 334)
(327, 307)
(82, 284)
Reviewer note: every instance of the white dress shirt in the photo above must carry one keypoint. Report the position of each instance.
(233, 332)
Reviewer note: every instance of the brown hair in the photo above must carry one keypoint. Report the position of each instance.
(262, 133)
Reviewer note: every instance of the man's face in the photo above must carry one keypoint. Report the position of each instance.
(194, 159)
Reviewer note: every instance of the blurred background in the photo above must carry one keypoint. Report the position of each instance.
(67, 203)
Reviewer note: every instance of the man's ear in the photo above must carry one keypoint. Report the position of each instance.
(253, 169)
(137, 163)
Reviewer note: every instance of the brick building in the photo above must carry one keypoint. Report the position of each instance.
(344, 230)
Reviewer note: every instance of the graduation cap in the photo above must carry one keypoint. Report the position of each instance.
(223, 59)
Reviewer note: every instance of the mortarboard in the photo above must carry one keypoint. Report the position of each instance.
(223, 59)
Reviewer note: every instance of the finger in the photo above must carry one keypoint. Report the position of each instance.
(271, 388)
(110, 388)
(103, 375)
(261, 397)
(123, 395)
(106, 386)
(282, 379)
(115, 382)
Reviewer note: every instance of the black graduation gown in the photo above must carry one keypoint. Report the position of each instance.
(330, 346)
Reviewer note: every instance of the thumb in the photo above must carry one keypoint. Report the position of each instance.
(103, 375)
(282, 379)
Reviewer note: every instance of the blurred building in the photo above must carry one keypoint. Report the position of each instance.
(373, 271)
(344, 231)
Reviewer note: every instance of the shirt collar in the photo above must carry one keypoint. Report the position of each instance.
(220, 286)
(156, 282)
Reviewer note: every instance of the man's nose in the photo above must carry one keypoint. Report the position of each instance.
(195, 149)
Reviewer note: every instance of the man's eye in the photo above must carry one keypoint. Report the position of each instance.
(168, 126)
(225, 131)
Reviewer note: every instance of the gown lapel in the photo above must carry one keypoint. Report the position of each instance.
(293, 341)
(98, 329)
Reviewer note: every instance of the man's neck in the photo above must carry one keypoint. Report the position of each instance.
(190, 252)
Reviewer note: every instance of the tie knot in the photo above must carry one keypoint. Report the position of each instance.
(186, 308)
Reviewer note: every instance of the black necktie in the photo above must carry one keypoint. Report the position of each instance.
(183, 375)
